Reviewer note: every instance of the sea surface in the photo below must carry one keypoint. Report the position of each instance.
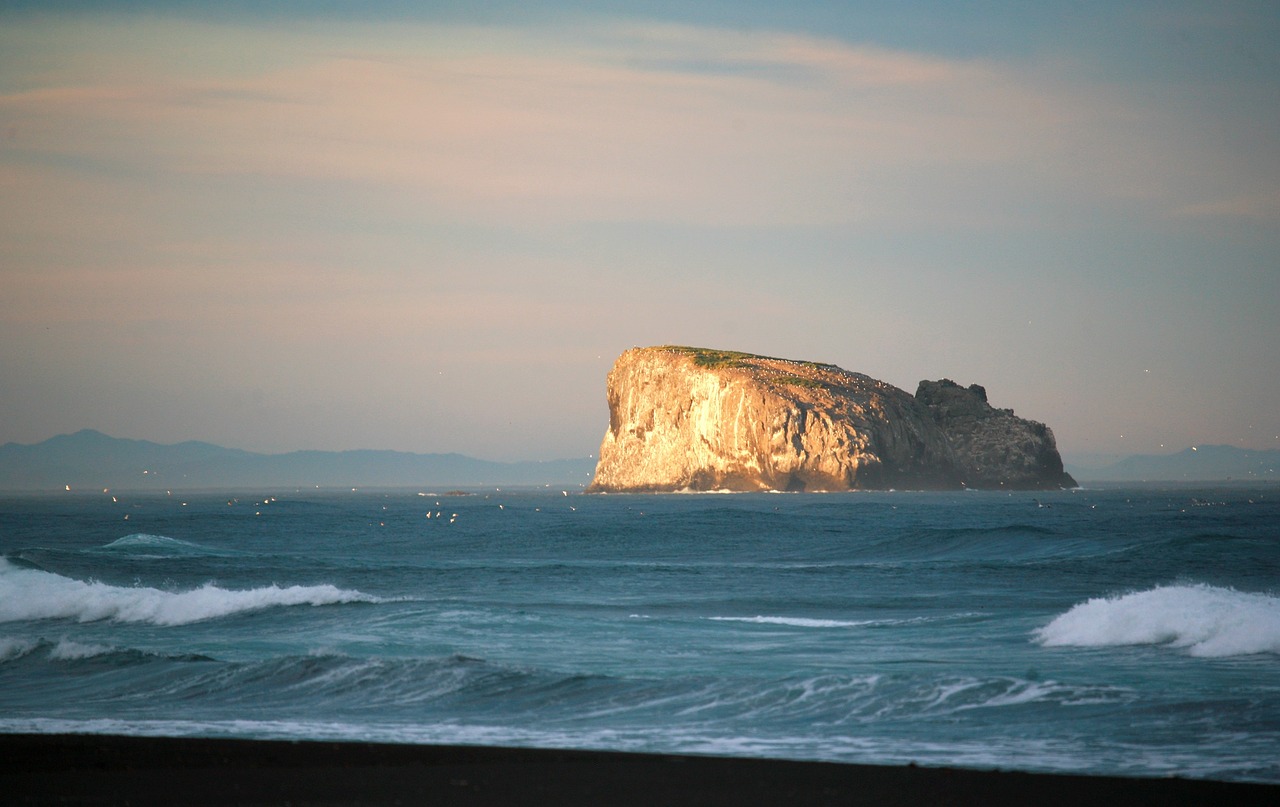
(1112, 631)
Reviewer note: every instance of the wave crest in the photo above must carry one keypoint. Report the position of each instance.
(807, 622)
(142, 544)
(796, 622)
(29, 594)
(1206, 620)
(145, 539)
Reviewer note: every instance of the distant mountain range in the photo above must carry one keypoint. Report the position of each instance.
(1198, 464)
(90, 459)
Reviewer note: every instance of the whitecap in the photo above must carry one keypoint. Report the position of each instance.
(793, 621)
(809, 622)
(1208, 621)
(30, 594)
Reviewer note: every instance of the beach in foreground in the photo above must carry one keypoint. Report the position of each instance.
(99, 769)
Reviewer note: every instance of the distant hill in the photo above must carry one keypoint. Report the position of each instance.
(1198, 464)
(92, 460)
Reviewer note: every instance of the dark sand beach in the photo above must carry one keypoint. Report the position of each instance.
(97, 769)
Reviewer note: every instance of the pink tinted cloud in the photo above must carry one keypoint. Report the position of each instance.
(573, 133)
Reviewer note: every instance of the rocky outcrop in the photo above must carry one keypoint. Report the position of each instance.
(697, 419)
(993, 447)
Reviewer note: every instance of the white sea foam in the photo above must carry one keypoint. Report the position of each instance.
(1207, 620)
(1067, 754)
(28, 594)
(807, 622)
(794, 621)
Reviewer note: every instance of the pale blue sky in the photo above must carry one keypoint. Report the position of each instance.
(433, 229)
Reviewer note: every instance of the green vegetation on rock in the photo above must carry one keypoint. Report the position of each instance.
(713, 359)
(731, 359)
(797, 381)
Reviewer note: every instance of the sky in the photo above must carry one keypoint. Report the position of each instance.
(433, 227)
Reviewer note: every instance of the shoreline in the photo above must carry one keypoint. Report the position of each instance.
(117, 769)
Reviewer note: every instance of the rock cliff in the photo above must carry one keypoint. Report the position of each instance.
(698, 419)
(993, 447)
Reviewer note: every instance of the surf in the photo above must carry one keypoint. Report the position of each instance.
(31, 594)
(1207, 621)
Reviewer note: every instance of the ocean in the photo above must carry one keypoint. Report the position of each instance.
(1111, 631)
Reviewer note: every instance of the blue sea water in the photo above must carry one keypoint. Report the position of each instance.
(1132, 632)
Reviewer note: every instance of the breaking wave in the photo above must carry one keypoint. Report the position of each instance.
(11, 648)
(31, 594)
(1206, 620)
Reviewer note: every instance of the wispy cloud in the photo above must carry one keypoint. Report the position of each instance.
(665, 123)
(206, 213)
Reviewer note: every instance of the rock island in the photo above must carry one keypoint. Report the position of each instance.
(685, 418)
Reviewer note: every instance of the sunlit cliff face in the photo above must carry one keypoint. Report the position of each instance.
(689, 418)
(702, 420)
